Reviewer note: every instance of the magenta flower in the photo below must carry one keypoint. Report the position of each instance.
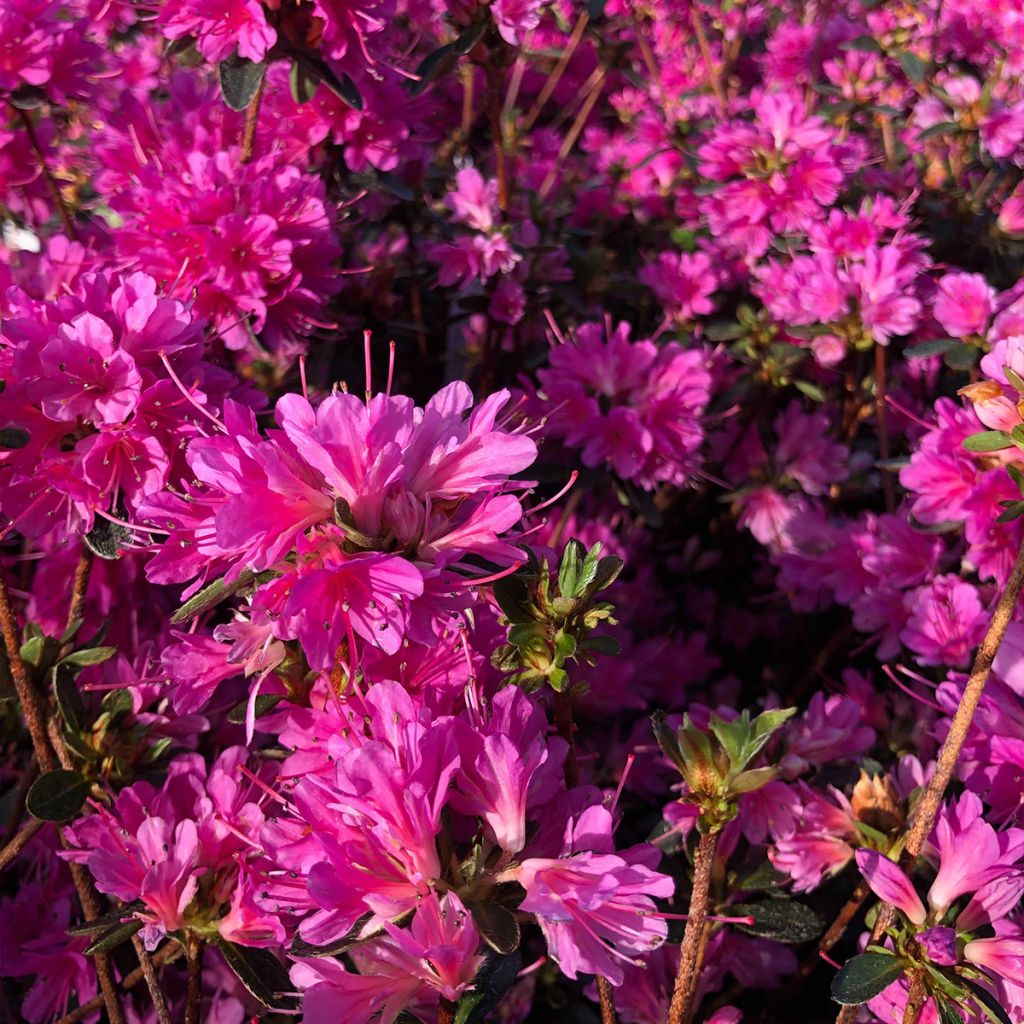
(682, 282)
(594, 906)
(889, 883)
(946, 623)
(964, 304)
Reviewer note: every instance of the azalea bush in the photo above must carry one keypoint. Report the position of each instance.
(511, 512)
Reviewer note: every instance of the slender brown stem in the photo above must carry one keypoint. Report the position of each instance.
(563, 723)
(915, 999)
(556, 74)
(152, 982)
(714, 73)
(171, 952)
(923, 817)
(31, 705)
(573, 134)
(18, 843)
(252, 116)
(28, 776)
(83, 570)
(194, 952)
(883, 428)
(51, 181)
(691, 954)
(91, 910)
(604, 994)
(446, 1011)
(495, 80)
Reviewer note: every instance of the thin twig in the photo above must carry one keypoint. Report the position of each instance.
(51, 181)
(83, 570)
(18, 843)
(171, 952)
(252, 116)
(573, 133)
(495, 80)
(691, 952)
(556, 74)
(152, 982)
(194, 952)
(604, 994)
(714, 74)
(31, 706)
(922, 819)
(445, 1011)
(916, 998)
(883, 428)
(564, 726)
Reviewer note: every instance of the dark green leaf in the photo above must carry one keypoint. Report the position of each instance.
(69, 699)
(13, 437)
(942, 128)
(213, 593)
(107, 539)
(864, 976)
(595, 9)
(607, 573)
(913, 67)
(239, 80)
(865, 44)
(494, 978)
(1016, 381)
(27, 97)
(497, 926)
(764, 876)
(302, 82)
(57, 795)
(260, 972)
(437, 63)
(117, 702)
(113, 938)
(105, 921)
(353, 938)
(1014, 510)
(89, 656)
(812, 391)
(603, 644)
(265, 703)
(469, 38)
(934, 347)
(987, 441)
(783, 920)
(962, 357)
(569, 568)
(948, 1013)
(988, 1003)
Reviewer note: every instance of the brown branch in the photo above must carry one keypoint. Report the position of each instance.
(705, 51)
(31, 705)
(556, 74)
(691, 952)
(18, 843)
(252, 116)
(604, 994)
(564, 726)
(495, 78)
(152, 983)
(171, 952)
(83, 570)
(574, 132)
(883, 428)
(194, 953)
(446, 1011)
(922, 819)
(51, 181)
(916, 999)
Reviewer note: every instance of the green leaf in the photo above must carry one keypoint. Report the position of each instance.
(302, 82)
(469, 38)
(755, 778)
(812, 391)
(607, 572)
(265, 703)
(935, 130)
(565, 647)
(213, 593)
(494, 978)
(239, 80)
(113, 938)
(865, 44)
(764, 876)
(948, 1013)
(1016, 381)
(934, 347)
(354, 937)
(862, 977)
(988, 1003)
(107, 540)
(961, 357)
(117, 702)
(988, 441)
(913, 67)
(89, 656)
(437, 63)
(13, 437)
(780, 919)
(260, 972)
(57, 795)
(497, 925)
(595, 9)
(602, 644)
(1012, 511)
(344, 88)
(69, 699)
(108, 920)
(569, 569)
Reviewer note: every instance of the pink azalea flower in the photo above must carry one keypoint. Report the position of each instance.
(964, 304)
(889, 883)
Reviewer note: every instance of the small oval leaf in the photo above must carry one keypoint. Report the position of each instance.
(260, 972)
(113, 938)
(239, 80)
(57, 795)
(864, 976)
(779, 919)
(497, 926)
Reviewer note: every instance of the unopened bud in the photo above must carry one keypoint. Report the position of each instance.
(876, 803)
